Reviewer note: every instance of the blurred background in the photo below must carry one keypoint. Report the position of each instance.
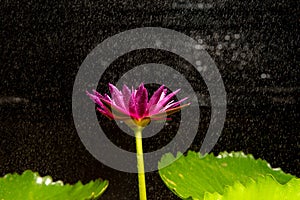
(43, 43)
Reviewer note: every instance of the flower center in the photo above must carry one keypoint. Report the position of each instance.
(142, 122)
(138, 123)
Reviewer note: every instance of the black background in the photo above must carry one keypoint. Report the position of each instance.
(43, 44)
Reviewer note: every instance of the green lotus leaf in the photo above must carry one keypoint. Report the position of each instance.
(194, 175)
(31, 186)
(265, 188)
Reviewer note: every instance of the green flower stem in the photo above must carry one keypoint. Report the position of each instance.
(140, 163)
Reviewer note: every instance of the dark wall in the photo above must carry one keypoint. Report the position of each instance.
(43, 44)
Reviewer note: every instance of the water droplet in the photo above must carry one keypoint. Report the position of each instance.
(237, 36)
(39, 180)
(219, 46)
(227, 37)
(48, 181)
(200, 41)
(263, 75)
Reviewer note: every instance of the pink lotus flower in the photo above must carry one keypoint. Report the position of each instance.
(134, 104)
